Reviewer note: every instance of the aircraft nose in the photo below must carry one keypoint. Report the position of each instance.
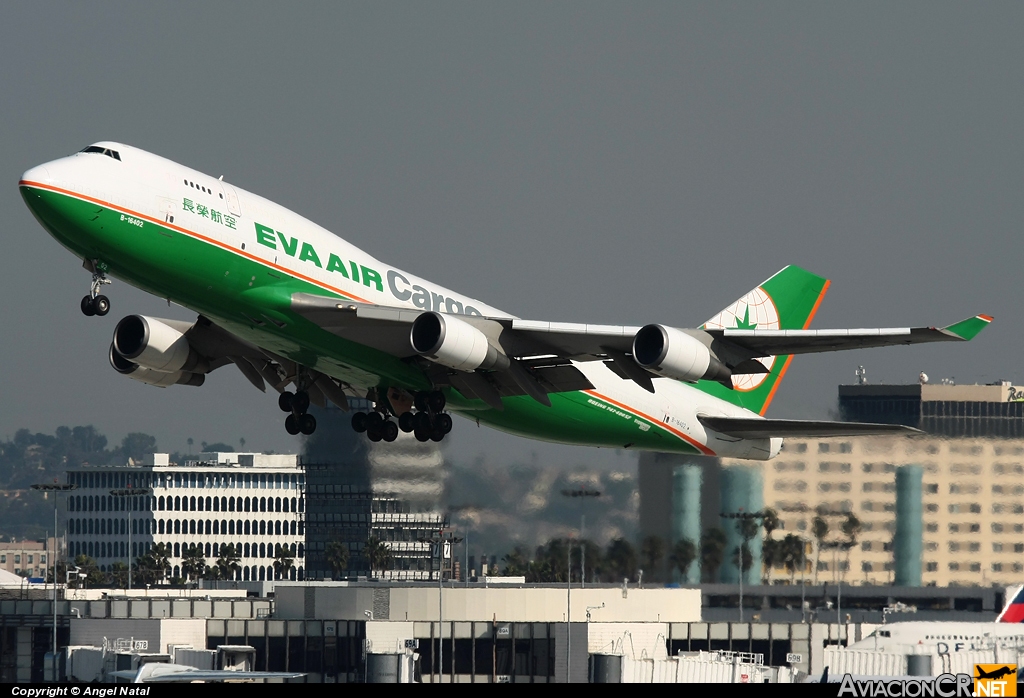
(36, 174)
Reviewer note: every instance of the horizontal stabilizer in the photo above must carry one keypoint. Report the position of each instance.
(753, 428)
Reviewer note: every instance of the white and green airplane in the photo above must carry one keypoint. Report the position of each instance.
(295, 306)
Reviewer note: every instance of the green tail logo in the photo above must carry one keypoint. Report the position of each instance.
(786, 301)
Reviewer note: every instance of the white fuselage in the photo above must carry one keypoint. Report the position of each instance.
(160, 191)
(941, 636)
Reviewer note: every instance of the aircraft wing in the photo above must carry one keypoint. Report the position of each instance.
(539, 353)
(580, 342)
(157, 672)
(387, 329)
(752, 428)
(782, 342)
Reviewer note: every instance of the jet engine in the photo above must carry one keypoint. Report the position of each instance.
(150, 376)
(672, 353)
(157, 344)
(455, 343)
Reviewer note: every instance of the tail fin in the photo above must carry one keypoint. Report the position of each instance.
(1014, 610)
(786, 301)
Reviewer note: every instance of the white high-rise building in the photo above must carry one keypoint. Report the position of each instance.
(251, 500)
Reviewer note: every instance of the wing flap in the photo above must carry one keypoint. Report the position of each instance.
(753, 428)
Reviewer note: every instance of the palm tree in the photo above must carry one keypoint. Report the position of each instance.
(712, 552)
(283, 561)
(652, 551)
(850, 527)
(336, 554)
(794, 555)
(119, 574)
(516, 564)
(552, 560)
(87, 566)
(193, 564)
(620, 559)
(684, 552)
(819, 529)
(771, 551)
(772, 554)
(227, 561)
(747, 527)
(770, 521)
(154, 565)
(377, 554)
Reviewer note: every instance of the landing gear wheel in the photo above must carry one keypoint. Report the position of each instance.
(375, 435)
(436, 401)
(443, 422)
(422, 422)
(284, 401)
(374, 422)
(390, 431)
(300, 403)
(436, 435)
(101, 305)
(359, 422)
(422, 434)
(407, 422)
(291, 425)
(307, 424)
(420, 401)
(87, 307)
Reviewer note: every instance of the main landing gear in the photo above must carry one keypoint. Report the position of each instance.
(298, 422)
(429, 423)
(94, 303)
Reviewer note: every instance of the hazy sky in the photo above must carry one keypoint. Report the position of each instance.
(616, 163)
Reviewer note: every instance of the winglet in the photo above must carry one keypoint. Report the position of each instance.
(969, 328)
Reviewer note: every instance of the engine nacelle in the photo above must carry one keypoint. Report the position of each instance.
(454, 343)
(672, 353)
(157, 344)
(149, 376)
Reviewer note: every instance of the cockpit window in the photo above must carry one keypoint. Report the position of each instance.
(102, 151)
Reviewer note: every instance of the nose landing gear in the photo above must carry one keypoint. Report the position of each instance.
(95, 303)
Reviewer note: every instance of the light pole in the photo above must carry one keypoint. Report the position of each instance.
(568, 612)
(463, 512)
(836, 546)
(54, 487)
(583, 521)
(441, 541)
(130, 492)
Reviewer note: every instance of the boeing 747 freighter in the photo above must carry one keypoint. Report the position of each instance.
(299, 308)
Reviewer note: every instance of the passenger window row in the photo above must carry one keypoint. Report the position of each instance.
(199, 187)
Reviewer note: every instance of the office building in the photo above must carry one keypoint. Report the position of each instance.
(250, 500)
(357, 490)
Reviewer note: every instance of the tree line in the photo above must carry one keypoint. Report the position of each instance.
(154, 568)
(562, 559)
